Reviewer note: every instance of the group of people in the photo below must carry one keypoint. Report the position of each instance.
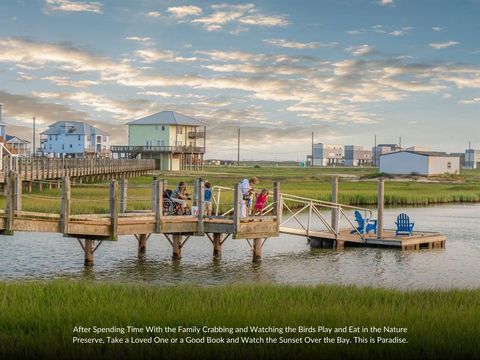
(248, 194)
(181, 196)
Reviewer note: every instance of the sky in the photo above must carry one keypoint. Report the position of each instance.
(346, 70)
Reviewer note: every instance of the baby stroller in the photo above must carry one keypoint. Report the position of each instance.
(172, 206)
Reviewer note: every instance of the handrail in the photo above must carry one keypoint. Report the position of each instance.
(312, 205)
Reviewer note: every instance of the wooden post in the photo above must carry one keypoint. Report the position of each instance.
(114, 207)
(381, 201)
(66, 205)
(17, 204)
(158, 204)
(201, 206)
(123, 195)
(217, 245)
(142, 243)
(277, 203)
(237, 207)
(335, 210)
(257, 249)
(154, 188)
(88, 252)
(177, 246)
(10, 200)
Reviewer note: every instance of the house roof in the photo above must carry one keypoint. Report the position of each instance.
(423, 153)
(167, 118)
(72, 128)
(9, 138)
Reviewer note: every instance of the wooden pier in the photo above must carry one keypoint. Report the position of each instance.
(33, 169)
(92, 229)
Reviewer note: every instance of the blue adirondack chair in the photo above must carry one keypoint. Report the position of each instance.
(404, 226)
(371, 224)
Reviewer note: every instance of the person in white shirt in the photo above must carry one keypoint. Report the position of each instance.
(247, 193)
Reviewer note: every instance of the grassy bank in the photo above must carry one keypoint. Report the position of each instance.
(37, 320)
(358, 186)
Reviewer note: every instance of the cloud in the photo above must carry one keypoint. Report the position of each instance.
(184, 11)
(239, 14)
(143, 40)
(471, 101)
(385, 2)
(361, 50)
(437, 28)
(150, 56)
(297, 45)
(153, 14)
(67, 82)
(443, 45)
(74, 6)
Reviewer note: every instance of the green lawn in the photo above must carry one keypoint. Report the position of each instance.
(37, 319)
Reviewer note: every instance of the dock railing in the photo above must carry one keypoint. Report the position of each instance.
(292, 206)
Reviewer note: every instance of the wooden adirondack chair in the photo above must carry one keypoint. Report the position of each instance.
(371, 224)
(404, 226)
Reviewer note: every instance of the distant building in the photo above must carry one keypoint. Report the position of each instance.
(175, 141)
(417, 148)
(461, 156)
(357, 156)
(74, 139)
(472, 159)
(327, 154)
(20, 146)
(381, 149)
(419, 162)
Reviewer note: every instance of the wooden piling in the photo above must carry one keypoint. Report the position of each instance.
(237, 207)
(177, 246)
(114, 207)
(158, 204)
(66, 205)
(257, 249)
(10, 200)
(217, 245)
(381, 202)
(88, 249)
(17, 184)
(142, 243)
(123, 195)
(201, 206)
(277, 203)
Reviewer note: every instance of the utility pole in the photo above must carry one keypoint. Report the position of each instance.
(375, 151)
(238, 148)
(400, 142)
(34, 153)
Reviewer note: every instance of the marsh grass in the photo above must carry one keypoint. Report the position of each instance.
(37, 319)
(357, 187)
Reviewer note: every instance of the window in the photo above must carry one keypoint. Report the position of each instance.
(71, 146)
(50, 146)
(56, 137)
(449, 165)
(163, 127)
(179, 129)
(50, 137)
(63, 146)
(79, 137)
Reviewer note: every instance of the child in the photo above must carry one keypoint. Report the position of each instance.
(262, 199)
(208, 199)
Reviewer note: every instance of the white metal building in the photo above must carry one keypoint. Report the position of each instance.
(419, 162)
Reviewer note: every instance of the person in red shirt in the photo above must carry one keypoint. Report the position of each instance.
(262, 199)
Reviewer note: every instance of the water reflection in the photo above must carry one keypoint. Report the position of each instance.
(286, 260)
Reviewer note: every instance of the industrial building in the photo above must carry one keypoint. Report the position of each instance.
(419, 162)
(357, 156)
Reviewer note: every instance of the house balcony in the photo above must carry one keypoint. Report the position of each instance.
(127, 149)
(196, 135)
